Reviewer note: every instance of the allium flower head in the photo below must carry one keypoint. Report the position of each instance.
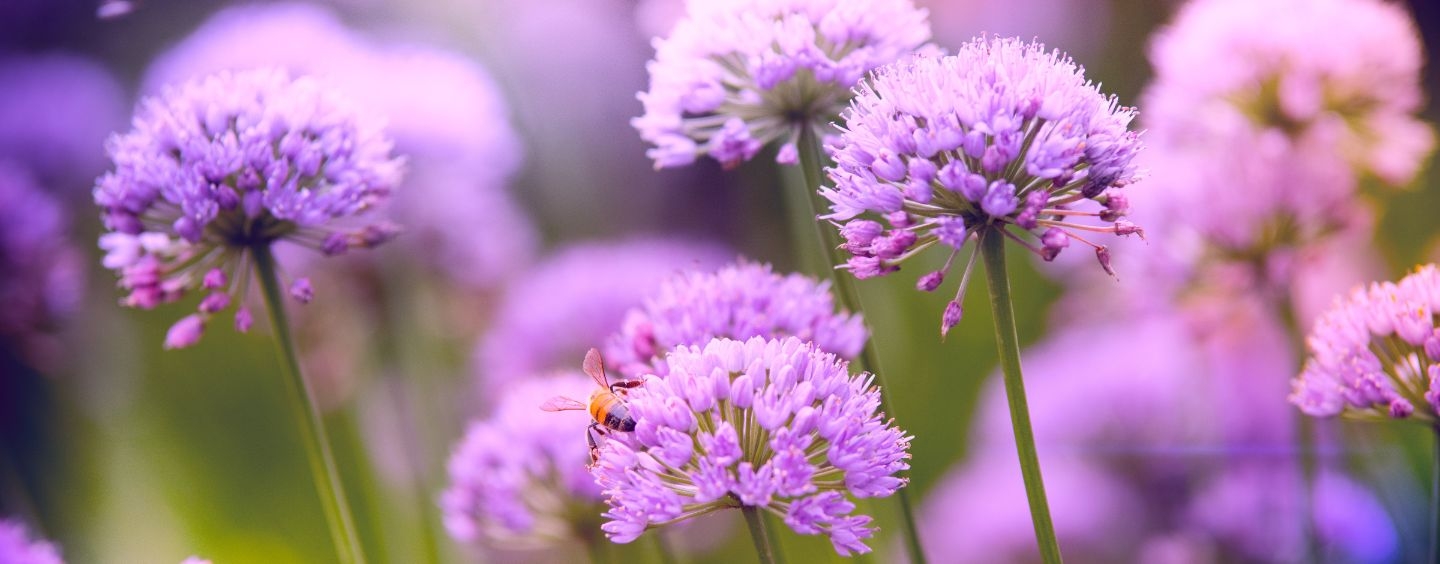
(222, 165)
(775, 424)
(1001, 137)
(16, 546)
(734, 76)
(40, 276)
(518, 477)
(1376, 353)
(739, 301)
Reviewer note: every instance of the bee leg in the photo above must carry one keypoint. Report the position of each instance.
(626, 385)
(591, 433)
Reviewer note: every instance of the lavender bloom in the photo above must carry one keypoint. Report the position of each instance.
(444, 112)
(40, 278)
(1376, 353)
(16, 546)
(1000, 135)
(574, 300)
(1299, 99)
(224, 164)
(738, 301)
(518, 478)
(735, 76)
(745, 424)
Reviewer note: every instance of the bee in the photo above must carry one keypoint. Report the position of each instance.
(608, 411)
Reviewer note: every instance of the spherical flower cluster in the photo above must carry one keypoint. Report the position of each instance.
(40, 282)
(1376, 353)
(738, 301)
(775, 424)
(734, 76)
(226, 164)
(16, 546)
(518, 477)
(1300, 99)
(1002, 135)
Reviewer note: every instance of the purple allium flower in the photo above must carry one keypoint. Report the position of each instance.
(738, 301)
(1376, 353)
(60, 147)
(443, 110)
(222, 165)
(16, 546)
(735, 76)
(518, 478)
(40, 272)
(1001, 136)
(775, 424)
(575, 299)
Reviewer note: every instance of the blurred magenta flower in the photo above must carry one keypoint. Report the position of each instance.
(734, 76)
(739, 301)
(63, 149)
(444, 111)
(776, 424)
(1302, 100)
(16, 546)
(518, 478)
(576, 298)
(41, 278)
(1376, 353)
(1002, 134)
(221, 165)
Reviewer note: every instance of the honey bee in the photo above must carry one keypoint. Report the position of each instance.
(607, 408)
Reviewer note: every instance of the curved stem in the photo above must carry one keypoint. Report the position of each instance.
(1305, 426)
(760, 535)
(307, 415)
(849, 296)
(992, 247)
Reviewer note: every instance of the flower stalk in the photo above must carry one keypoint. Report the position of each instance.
(1007, 342)
(307, 415)
(760, 535)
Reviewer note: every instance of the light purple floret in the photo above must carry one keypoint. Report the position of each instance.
(734, 76)
(518, 477)
(774, 424)
(1376, 353)
(739, 301)
(16, 546)
(1003, 136)
(222, 165)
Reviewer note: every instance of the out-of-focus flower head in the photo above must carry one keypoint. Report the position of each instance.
(40, 272)
(443, 110)
(734, 76)
(1001, 138)
(1376, 353)
(1265, 117)
(739, 301)
(16, 546)
(55, 113)
(773, 424)
(518, 478)
(219, 166)
(575, 299)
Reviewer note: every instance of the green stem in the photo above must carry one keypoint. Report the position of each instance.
(1305, 430)
(849, 295)
(760, 535)
(1435, 500)
(307, 415)
(992, 248)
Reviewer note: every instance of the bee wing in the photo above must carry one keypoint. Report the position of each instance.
(595, 367)
(562, 403)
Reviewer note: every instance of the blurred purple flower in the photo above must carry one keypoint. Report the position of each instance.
(220, 165)
(575, 299)
(40, 272)
(444, 112)
(16, 546)
(1299, 99)
(1376, 353)
(62, 147)
(743, 424)
(738, 301)
(1001, 134)
(518, 478)
(734, 76)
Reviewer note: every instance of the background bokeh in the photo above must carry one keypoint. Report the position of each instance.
(121, 452)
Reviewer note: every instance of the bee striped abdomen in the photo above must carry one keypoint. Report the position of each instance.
(611, 412)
